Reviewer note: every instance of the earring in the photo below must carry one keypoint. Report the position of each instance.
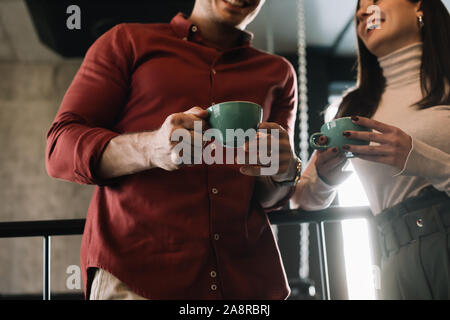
(421, 23)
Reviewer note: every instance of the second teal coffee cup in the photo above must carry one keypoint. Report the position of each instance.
(234, 115)
(333, 131)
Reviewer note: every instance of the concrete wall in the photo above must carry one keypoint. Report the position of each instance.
(30, 94)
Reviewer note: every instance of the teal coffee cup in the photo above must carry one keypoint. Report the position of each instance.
(232, 121)
(333, 131)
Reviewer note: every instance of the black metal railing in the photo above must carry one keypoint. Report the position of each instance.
(319, 218)
(44, 229)
(47, 229)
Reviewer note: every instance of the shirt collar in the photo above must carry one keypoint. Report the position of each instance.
(185, 29)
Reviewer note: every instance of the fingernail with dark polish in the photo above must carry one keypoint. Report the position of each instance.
(355, 118)
(335, 150)
(346, 134)
(346, 147)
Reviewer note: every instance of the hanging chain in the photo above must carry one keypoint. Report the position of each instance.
(303, 129)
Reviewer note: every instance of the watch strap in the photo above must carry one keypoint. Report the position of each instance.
(293, 182)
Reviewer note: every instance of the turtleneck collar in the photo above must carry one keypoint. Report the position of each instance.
(402, 67)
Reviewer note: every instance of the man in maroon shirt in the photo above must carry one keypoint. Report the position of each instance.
(154, 229)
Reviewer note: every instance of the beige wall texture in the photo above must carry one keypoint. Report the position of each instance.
(30, 95)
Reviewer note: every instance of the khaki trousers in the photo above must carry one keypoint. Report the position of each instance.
(107, 287)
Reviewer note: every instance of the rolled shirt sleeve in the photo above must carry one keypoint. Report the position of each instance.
(83, 125)
(284, 112)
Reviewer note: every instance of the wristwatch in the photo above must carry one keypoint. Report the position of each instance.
(294, 181)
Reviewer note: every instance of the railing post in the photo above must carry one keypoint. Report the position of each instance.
(46, 265)
(320, 227)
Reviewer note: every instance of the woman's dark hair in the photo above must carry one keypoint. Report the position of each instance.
(435, 69)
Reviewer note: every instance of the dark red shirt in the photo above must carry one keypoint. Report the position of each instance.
(194, 233)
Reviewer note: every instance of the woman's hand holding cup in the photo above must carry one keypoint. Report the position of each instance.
(330, 163)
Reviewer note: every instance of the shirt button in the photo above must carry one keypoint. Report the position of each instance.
(214, 71)
(185, 38)
(213, 287)
(213, 274)
(214, 191)
(194, 29)
(216, 236)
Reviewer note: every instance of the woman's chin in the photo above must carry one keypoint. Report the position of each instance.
(377, 47)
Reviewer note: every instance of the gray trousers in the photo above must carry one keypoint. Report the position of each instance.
(415, 247)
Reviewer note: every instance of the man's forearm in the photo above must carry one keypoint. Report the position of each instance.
(126, 154)
(132, 153)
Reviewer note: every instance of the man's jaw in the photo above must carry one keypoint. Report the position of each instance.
(239, 3)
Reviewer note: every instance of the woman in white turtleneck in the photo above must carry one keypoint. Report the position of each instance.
(403, 94)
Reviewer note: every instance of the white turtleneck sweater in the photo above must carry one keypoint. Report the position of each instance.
(428, 162)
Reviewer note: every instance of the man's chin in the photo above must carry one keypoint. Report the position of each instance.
(231, 22)
(230, 18)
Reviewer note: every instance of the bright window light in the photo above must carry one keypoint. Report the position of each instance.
(358, 265)
(355, 232)
(351, 192)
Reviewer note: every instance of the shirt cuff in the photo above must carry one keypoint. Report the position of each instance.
(407, 160)
(316, 194)
(321, 183)
(88, 152)
(281, 203)
(428, 162)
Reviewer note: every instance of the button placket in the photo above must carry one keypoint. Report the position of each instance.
(215, 230)
(213, 274)
(213, 72)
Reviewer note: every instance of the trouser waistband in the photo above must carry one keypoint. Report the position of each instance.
(416, 217)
